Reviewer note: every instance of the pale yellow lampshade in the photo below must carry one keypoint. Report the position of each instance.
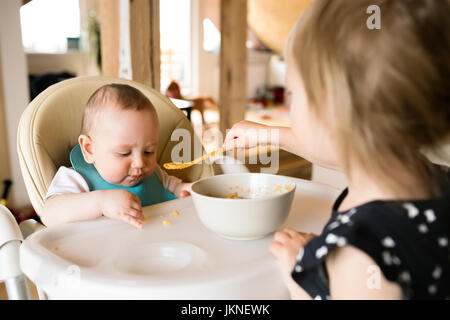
(271, 20)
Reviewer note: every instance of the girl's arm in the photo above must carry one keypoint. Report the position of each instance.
(354, 275)
(242, 135)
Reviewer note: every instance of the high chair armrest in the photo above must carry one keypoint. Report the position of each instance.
(9, 230)
(30, 226)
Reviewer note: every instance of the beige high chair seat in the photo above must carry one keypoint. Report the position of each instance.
(50, 126)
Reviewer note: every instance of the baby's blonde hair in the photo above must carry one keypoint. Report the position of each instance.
(385, 92)
(118, 95)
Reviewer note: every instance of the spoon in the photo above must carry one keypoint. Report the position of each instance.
(184, 165)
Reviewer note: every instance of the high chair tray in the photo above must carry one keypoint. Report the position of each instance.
(109, 259)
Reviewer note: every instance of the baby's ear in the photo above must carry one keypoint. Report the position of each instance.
(86, 148)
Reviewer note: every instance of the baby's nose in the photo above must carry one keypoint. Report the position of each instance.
(138, 161)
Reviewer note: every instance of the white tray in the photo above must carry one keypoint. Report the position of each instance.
(108, 259)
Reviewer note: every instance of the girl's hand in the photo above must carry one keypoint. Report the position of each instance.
(122, 205)
(285, 248)
(246, 134)
(286, 245)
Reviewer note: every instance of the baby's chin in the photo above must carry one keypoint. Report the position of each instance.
(129, 182)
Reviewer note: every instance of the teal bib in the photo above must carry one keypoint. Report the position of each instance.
(150, 190)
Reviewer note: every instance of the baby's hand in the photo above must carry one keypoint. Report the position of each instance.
(242, 135)
(122, 205)
(286, 246)
(185, 190)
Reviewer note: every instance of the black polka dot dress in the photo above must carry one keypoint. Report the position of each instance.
(409, 241)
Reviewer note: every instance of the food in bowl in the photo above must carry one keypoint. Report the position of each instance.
(233, 195)
(258, 207)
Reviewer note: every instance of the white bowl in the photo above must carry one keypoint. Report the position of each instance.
(268, 200)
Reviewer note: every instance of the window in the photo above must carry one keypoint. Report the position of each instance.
(175, 44)
(211, 36)
(50, 25)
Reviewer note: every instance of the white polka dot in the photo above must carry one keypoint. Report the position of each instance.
(300, 254)
(298, 268)
(387, 258)
(443, 241)
(388, 242)
(437, 272)
(331, 238)
(396, 260)
(432, 289)
(405, 276)
(352, 212)
(341, 242)
(333, 225)
(423, 228)
(318, 297)
(344, 218)
(430, 215)
(321, 252)
(412, 210)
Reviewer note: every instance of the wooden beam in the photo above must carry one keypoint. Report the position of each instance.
(5, 172)
(144, 40)
(233, 62)
(109, 36)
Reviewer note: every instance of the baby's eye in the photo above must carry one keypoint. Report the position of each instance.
(124, 154)
(148, 152)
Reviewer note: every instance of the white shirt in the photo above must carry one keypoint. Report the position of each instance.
(67, 180)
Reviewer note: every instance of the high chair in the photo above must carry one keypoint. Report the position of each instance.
(48, 130)
(50, 126)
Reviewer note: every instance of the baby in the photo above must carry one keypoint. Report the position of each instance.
(368, 102)
(114, 171)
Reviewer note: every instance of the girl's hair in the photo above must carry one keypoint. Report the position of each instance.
(385, 92)
(115, 94)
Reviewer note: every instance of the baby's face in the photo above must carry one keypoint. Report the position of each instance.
(124, 145)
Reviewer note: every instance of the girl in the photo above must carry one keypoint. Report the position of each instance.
(368, 102)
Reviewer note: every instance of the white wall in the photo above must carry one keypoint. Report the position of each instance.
(15, 91)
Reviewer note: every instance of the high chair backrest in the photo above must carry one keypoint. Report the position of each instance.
(50, 126)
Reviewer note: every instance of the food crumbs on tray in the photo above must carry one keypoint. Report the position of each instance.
(166, 223)
(175, 213)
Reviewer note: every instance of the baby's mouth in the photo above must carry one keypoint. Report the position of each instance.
(137, 177)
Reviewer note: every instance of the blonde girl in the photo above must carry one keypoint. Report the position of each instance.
(368, 102)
